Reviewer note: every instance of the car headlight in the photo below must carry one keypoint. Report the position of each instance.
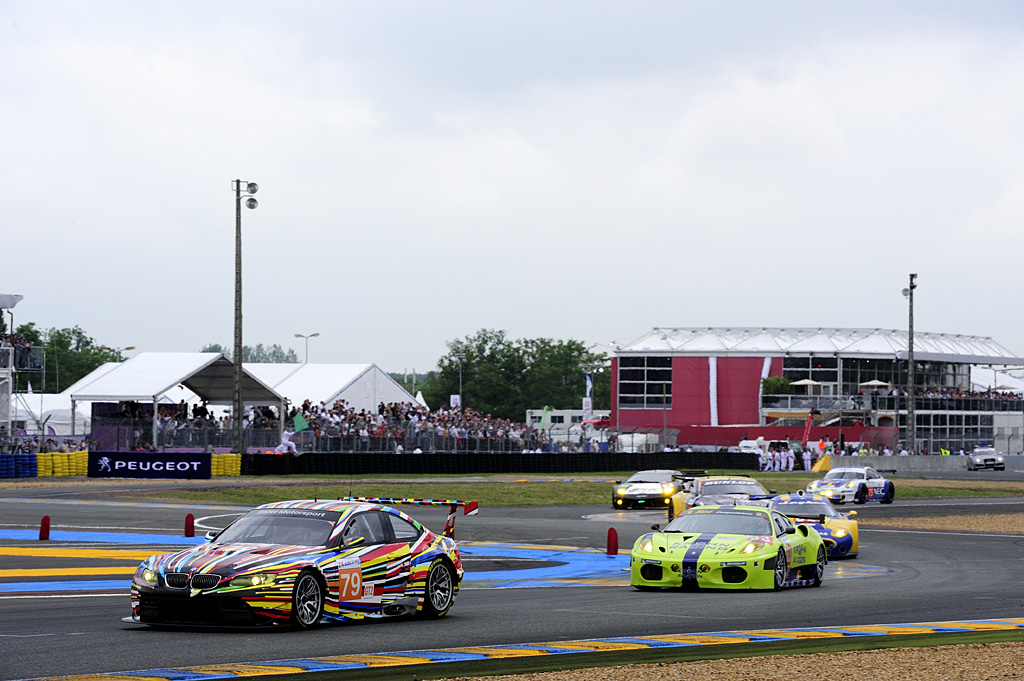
(620, 490)
(147, 577)
(826, 492)
(668, 489)
(253, 580)
(813, 485)
(753, 546)
(999, 459)
(851, 484)
(839, 533)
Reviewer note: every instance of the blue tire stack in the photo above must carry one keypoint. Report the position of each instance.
(18, 466)
(6, 466)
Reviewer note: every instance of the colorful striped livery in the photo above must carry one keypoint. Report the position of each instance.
(299, 563)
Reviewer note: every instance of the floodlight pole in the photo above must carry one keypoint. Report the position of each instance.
(245, 190)
(912, 398)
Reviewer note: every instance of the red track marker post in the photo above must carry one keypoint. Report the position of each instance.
(190, 525)
(44, 528)
(613, 542)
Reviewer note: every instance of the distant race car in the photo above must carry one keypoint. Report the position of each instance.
(728, 547)
(986, 457)
(715, 489)
(299, 563)
(838, 530)
(858, 484)
(646, 489)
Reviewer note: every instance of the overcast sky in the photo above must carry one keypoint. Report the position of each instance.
(582, 170)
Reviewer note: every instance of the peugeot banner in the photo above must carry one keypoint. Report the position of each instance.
(149, 465)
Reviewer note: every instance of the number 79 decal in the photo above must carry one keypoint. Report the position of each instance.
(350, 580)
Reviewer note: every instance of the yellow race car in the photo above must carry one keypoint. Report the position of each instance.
(838, 530)
(715, 489)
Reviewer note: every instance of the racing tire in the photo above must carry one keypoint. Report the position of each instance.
(819, 567)
(781, 570)
(861, 497)
(307, 600)
(439, 593)
(890, 494)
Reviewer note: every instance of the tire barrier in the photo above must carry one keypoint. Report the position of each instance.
(317, 463)
(60, 464)
(226, 464)
(18, 466)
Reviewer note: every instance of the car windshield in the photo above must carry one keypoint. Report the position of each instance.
(844, 474)
(281, 526)
(701, 521)
(651, 476)
(804, 509)
(731, 487)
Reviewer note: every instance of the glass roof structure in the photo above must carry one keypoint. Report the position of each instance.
(850, 343)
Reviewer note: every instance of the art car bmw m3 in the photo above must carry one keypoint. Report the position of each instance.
(299, 563)
(728, 547)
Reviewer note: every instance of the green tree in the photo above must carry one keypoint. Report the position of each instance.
(504, 378)
(68, 355)
(258, 354)
(775, 385)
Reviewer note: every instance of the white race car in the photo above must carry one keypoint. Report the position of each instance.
(858, 484)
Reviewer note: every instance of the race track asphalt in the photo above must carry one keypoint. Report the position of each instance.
(533, 574)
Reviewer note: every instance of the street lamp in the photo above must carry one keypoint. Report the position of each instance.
(312, 335)
(243, 190)
(461, 358)
(911, 418)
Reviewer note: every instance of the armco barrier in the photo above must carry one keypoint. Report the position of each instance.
(469, 464)
(918, 463)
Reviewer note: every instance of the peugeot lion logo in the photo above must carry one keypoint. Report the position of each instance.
(105, 464)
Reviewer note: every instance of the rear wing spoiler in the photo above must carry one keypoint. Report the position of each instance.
(820, 518)
(470, 507)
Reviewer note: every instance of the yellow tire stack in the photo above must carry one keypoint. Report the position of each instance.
(226, 464)
(44, 463)
(60, 464)
(80, 463)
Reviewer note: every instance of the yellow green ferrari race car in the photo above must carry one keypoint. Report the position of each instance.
(728, 547)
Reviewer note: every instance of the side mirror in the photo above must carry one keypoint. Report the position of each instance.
(656, 527)
(211, 535)
(790, 530)
(771, 491)
(852, 514)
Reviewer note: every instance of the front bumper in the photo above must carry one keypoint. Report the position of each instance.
(641, 501)
(757, 572)
(837, 495)
(176, 607)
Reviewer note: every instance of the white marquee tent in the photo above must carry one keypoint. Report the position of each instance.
(363, 386)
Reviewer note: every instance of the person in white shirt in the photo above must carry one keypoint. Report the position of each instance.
(790, 459)
(760, 459)
(287, 444)
(806, 456)
(778, 460)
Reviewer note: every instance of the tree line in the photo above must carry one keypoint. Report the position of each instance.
(499, 376)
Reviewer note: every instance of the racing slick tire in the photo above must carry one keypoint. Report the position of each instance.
(781, 570)
(890, 494)
(861, 497)
(439, 593)
(307, 600)
(817, 571)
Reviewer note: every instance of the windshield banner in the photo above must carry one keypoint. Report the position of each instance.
(150, 465)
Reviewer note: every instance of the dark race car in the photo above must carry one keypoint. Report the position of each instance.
(646, 489)
(302, 562)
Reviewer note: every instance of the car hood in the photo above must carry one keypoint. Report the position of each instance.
(229, 559)
(708, 545)
(841, 482)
